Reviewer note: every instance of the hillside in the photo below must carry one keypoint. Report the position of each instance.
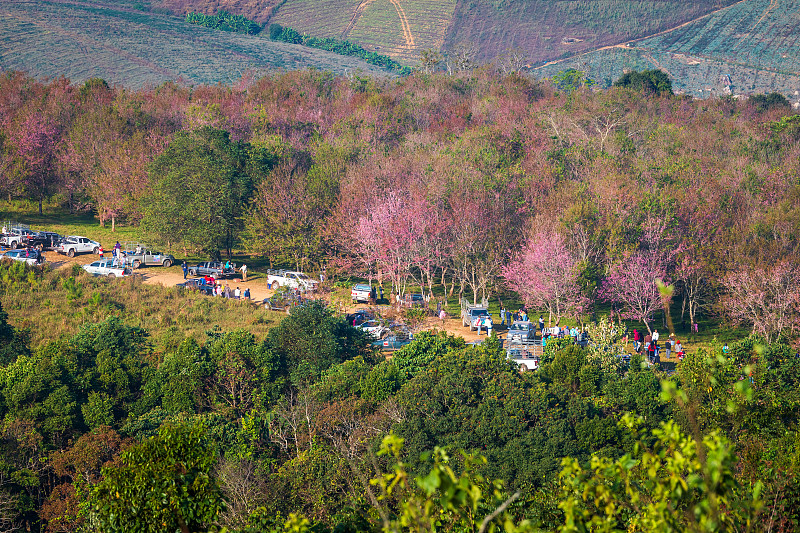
(544, 29)
(751, 46)
(123, 45)
(547, 30)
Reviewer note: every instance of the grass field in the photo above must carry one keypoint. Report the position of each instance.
(124, 46)
(49, 309)
(754, 43)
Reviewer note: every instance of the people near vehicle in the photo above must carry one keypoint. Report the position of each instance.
(185, 269)
(117, 248)
(138, 249)
(541, 324)
(637, 339)
(243, 270)
(228, 264)
(100, 251)
(503, 315)
(487, 321)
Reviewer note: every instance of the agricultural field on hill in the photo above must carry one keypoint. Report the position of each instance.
(751, 47)
(135, 49)
(413, 26)
(399, 29)
(322, 18)
(546, 30)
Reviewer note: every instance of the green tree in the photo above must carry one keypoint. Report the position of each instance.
(765, 102)
(12, 342)
(679, 484)
(648, 81)
(162, 485)
(199, 191)
(313, 338)
(246, 376)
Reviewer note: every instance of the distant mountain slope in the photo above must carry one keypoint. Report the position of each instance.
(549, 29)
(80, 40)
(751, 46)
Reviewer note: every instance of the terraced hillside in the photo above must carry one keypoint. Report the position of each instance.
(751, 46)
(398, 28)
(80, 40)
(549, 29)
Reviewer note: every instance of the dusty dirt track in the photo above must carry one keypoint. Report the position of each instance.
(169, 277)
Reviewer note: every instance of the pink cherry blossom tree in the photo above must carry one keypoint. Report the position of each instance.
(35, 142)
(632, 282)
(388, 233)
(766, 297)
(545, 275)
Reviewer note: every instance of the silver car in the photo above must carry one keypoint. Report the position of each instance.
(31, 257)
(105, 267)
(522, 331)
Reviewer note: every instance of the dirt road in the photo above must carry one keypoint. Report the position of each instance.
(169, 277)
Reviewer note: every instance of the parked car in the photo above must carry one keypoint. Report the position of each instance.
(376, 328)
(394, 341)
(106, 267)
(414, 300)
(359, 317)
(50, 240)
(474, 317)
(526, 354)
(197, 284)
(473, 314)
(215, 269)
(138, 255)
(22, 237)
(277, 303)
(361, 292)
(521, 331)
(291, 280)
(27, 256)
(75, 244)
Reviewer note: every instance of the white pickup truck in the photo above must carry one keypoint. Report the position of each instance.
(106, 267)
(75, 244)
(291, 280)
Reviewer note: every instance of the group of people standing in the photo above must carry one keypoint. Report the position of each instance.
(649, 345)
(225, 291)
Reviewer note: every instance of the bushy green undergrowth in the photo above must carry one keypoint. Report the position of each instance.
(345, 48)
(224, 21)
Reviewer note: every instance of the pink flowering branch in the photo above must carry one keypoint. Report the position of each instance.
(545, 275)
